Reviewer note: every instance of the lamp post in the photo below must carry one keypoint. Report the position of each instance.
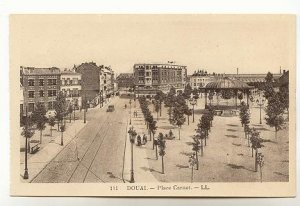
(26, 142)
(260, 102)
(132, 135)
(130, 111)
(193, 101)
(85, 108)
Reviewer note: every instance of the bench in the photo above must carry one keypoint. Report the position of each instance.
(34, 149)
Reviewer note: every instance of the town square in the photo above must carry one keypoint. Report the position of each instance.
(162, 102)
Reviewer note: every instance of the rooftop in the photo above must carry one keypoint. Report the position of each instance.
(227, 83)
(162, 64)
(39, 71)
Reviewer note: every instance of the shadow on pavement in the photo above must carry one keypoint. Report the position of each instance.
(234, 166)
(150, 169)
(232, 125)
(231, 130)
(232, 136)
(182, 166)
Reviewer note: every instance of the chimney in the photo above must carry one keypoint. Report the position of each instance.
(237, 71)
(280, 70)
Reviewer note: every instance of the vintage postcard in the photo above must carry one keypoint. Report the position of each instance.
(153, 105)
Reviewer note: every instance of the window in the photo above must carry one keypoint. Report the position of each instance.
(31, 94)
(50, 105)
(51, 93)
(41, 93)
(31, 107)
(53, 81)
(49, 81)
(63, 81)
(75, 81)
(31, 82)
(41, 82)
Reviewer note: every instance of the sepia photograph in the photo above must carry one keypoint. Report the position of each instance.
(153, 105)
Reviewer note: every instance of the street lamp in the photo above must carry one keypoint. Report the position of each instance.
(130, 111)
(260, 102)
(27, 134)
(132, 135)
(193, 101)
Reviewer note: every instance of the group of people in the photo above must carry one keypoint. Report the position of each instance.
(141, 141)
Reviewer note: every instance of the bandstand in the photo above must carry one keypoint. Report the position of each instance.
(229, 88)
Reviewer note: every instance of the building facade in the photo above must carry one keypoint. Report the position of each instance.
(39, 85)
(90, 80)
(70, 85)
(106, 84)
(200, 79)
(149, 78)
(125, 81)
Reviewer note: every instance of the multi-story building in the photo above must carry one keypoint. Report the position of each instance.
(106, 83)
(96, 81)
(200, 79)
(40, 85)
(148, 78)
(125, 81)
(90, 80)
(70, 85)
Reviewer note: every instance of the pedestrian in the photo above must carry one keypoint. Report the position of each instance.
(144, 139)
(139, 140)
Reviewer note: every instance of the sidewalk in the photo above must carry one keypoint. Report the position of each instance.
(142, 170)
(38, 161)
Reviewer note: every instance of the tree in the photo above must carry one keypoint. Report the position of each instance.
(204, 126)
(162, 147)
(27, 132)
(244, 116)
(211, 114)
(170, 101)
(188, 112)
(60, 107)
(274, 112)
(255, 144)
(156, 108)
(187, 91)
(268, 87)
(195, 94)
(39, 118)
(196, 148)
(160, 98)
(284, 96)
(152, 128)
(51, 123)
(178, 118)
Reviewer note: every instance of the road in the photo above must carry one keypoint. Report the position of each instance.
(96, 153)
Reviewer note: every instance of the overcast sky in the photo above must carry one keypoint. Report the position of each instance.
(254, 44)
